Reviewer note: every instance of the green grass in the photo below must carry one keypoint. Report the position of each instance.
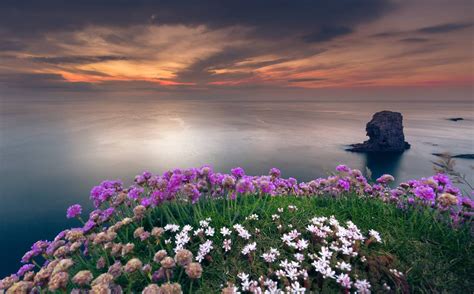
(436, 257)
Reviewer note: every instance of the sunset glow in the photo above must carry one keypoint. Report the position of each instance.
(376, 51)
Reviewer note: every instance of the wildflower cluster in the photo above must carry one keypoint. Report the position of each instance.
(321, 253)
(121, 245)
(196, 183)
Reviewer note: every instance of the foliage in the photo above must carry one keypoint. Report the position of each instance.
(335, 233)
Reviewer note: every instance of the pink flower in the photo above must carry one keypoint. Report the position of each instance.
(385, 179)
(73, 211)
(343, 168)
(237, 172)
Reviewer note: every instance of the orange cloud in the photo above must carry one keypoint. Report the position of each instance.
(199, 56)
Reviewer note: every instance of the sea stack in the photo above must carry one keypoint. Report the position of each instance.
(385, 132)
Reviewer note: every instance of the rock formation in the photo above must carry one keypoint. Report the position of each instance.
(455, 119)
(385, 132)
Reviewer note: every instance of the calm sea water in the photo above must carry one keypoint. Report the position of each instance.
(52, 151)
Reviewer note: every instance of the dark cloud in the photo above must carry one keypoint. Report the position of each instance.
(77, 59)
(291, 23)
(414, 40)
(256, 65)
(202, 70)
(240, 59)
(268, 17)
(444, 28)
(327, 34)
(411, 35)
(418, 51)
(388, 34)
(7, 45)
(39, 81)
(255, 41)
(301, 80)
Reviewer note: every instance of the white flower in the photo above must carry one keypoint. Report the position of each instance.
(286, 238)
(362, 286)
(294, 234)
(328, 273)
(243, 233)
(238, 227)
(268, 257)
(280, 210)
(347, 250)
(291, 268)
(250, 285)
(252, 217)
(344, 266)
(285, 264)
(295, 264)
(246, 283)
(396, 272)
(296, 288)
(280, 273)
(333, 221)
(374, 234)
(319, 220)
(171, 227)
(274, 251)
(334, 247)
(204, 249)
(302, 244)
(210, 231)
(227, 244)
(182, 239)
(225, 231)
(271, 255)
(320, 265)
(198, 231)
(312, 228)
(344, 280)
(187, 228)
(292, 273)
(326, 229)
(299, 256)
(313, 256)
(271, 286)
(325, 253)
(204, 223)
(249, 248)
(243, 276)
(342, 240)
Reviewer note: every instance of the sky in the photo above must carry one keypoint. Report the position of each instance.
(212, 45)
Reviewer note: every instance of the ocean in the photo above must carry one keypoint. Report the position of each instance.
(52, 151)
